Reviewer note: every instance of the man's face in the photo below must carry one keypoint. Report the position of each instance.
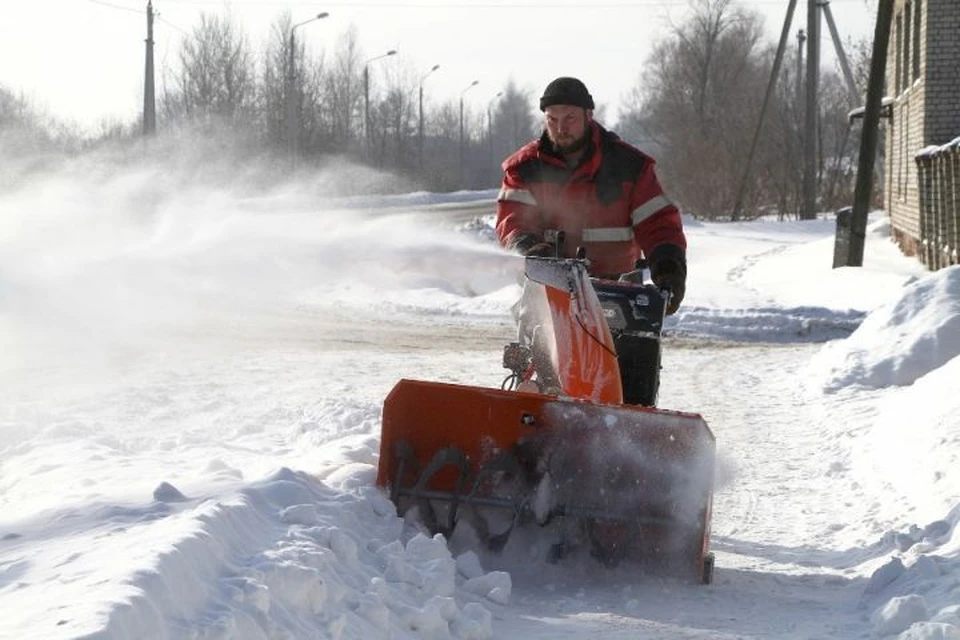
(566, 125)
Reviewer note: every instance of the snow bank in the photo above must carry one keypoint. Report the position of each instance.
(900, 341)
(337, 569)
(289, 556)
(910, 343)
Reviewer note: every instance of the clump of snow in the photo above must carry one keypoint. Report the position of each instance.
(166, 492)
(898, 614)
(468, 565)
(885, 575)
(495, 586)
(930, 631)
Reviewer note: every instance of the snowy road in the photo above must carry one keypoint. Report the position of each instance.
(256, 391)
(777, 575)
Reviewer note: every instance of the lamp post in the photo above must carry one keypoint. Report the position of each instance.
(469, 86)
(420, 118)
(293, 122)
(490, 128)
(366, 94)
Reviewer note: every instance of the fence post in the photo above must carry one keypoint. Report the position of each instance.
(926, 165)
(953, 206)
(925, 197)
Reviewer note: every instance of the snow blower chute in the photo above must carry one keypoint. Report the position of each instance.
(557, 446)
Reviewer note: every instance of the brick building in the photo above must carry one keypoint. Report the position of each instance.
(923, 137)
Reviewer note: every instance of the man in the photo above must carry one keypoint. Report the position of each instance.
(600, 191)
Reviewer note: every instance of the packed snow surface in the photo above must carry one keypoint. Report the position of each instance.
(190, 399)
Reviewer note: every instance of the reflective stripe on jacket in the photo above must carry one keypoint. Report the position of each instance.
(611, 204)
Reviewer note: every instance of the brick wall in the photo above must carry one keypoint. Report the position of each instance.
(923, 75)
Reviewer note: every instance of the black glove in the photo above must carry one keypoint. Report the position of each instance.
(668, 270)
(531, 244)
(542, 249)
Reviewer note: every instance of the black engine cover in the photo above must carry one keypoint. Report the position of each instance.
(631, 308)
(634, 313)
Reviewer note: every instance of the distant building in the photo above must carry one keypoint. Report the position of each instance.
(923, 137)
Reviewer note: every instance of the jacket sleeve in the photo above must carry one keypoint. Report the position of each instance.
(518, 215)
(655, 219)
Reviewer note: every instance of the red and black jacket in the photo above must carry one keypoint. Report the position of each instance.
(611, 203)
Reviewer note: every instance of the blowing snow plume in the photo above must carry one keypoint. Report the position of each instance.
(123, 247)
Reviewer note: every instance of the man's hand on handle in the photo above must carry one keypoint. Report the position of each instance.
(531, 244)
(668, 270)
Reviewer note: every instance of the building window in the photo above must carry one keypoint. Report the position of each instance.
(917, 11)
(907, 23)
(898, 54)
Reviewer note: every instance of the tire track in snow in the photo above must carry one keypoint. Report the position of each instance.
(736, 274)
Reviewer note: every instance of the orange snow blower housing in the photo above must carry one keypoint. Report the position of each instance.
(557, 446)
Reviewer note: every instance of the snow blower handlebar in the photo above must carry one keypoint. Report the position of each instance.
(557, 237)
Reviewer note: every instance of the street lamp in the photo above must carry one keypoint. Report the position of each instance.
(493, 160)
(469, 86)
(420, 118)
(366, 93)
(293, 121)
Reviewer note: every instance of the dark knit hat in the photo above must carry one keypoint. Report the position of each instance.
(566, 91)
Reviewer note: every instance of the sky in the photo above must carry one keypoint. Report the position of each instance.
(191, 394)
(84, 59)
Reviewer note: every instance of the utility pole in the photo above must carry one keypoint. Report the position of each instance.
(801, 38)
(493, 160)
(291, 100)
(808, 209)
(149, 94)
(420, 120)
(811, 113)
(470, 86)
(367, 139)
(366, 110)
(871, 126)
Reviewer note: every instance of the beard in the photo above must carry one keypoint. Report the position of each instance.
(569, 144)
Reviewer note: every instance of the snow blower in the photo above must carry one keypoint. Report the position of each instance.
(557, 445)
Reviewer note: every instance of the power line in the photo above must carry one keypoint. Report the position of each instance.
(170, 24)
(115, 6)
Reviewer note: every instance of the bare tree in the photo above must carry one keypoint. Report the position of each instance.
(441, 147)
(274, 85)
(779, 172)
(23, 129)
(701, 101)
(343, 93)
(216, 76)
(513, 124)
(393, 120)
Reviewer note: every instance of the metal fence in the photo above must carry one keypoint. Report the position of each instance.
(939, 183)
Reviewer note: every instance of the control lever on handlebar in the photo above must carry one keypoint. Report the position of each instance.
(556, 238)
(637, 275)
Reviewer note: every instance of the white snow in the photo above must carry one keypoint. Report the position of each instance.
(190, 393)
